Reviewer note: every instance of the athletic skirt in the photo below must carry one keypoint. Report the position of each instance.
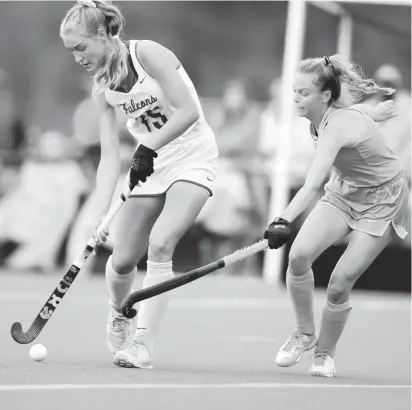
(370, 209)
(191, 158)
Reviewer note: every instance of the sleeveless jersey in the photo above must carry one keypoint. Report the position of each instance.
(146, 105)
(370, 162)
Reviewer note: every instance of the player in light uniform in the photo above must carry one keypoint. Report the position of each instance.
(366, 196)
(176, 160)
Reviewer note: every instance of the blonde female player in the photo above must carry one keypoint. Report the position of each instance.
(366, 196)
(147, 82)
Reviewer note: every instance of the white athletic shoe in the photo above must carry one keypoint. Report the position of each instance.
(294, 348)
(136, 354)
(323, 365)
(118, 329)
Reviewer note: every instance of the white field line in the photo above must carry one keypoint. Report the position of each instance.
(149, 386)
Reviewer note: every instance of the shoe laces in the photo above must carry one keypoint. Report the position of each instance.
(319, 358)
(135, 342)
(118, 321)
(292, 342)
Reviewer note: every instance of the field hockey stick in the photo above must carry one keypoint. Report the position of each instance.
(56, 297)
(151, 291)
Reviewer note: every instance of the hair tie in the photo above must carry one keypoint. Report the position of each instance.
(87, 3)
(326, 60)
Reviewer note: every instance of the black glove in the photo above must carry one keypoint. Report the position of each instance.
(142, 164)
(278, 233)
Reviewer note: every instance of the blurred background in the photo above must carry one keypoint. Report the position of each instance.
(233, 51)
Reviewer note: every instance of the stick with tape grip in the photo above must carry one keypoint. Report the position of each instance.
(53, 301)
(151, 291)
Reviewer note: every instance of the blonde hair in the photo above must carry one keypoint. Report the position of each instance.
(104, 19)
(345, 80)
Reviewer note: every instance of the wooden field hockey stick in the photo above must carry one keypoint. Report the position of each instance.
(151, 291)
(56, 297)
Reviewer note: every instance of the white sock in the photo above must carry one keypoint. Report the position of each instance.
(151, 311)
(301, 290)
(119, 286)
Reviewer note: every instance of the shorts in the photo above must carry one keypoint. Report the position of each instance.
(370, 209)
(191, 159)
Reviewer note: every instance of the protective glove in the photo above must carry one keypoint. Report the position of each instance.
(142, 164)
(278, 233)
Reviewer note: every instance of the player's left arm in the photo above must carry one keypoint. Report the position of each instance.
(162, 64)
(340, 132)
(382, 111)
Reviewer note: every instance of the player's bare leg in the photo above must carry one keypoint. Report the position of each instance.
(360, 253)
(322, 228)
(132, 236)
(176, 217)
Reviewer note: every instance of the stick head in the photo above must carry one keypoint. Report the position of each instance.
(128, 312)
(27, 337)
(16, 331)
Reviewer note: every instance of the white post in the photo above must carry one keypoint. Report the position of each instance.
(344, 47)
(294, 36)
(344, 44)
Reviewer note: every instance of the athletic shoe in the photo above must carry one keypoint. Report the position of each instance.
(294, 348)
(323, 365)
(118, 329)
(136, 354)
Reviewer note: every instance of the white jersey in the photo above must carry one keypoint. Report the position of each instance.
(191, 158)
(146, 105)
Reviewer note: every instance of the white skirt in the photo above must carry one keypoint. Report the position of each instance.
(191, 159)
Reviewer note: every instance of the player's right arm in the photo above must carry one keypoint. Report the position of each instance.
(343, 130)
(109, 165)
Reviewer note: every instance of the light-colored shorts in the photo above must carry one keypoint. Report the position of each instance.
(370, 209)
(192, 159)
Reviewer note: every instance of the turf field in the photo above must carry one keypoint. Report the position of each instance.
(216, 351)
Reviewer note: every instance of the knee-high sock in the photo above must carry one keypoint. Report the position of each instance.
(301, 290)
(151, 311)
(119, 285)
(334, 318)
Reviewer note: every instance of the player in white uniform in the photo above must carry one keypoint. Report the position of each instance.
(176, 160)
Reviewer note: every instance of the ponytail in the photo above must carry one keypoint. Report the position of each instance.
(114, 68)
(345, 80)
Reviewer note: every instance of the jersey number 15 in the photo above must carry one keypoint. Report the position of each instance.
(153, 118)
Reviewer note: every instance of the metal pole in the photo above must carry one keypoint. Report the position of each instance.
(293, 50)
